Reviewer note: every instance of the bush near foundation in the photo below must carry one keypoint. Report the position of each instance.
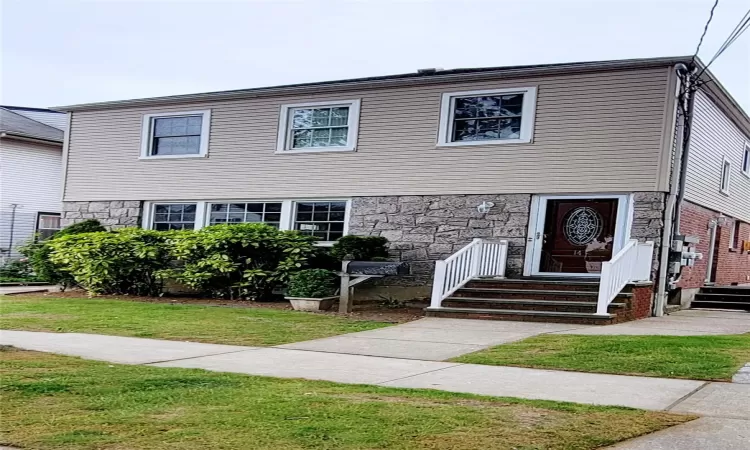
(123, 261)
(239, 261)
(38, 251)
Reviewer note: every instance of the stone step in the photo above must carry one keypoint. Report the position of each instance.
(722, 297)
(742, 306)
(511, 283)
(532, 294)
(526, 304)
(726, 290)
(522, 315)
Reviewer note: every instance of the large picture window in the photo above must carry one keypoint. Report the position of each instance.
(324, 219)
(175, 135)
(322, 126)
(487, 117)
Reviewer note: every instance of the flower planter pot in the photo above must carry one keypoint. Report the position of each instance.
(311, 304)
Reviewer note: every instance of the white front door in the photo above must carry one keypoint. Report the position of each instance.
(572, 235)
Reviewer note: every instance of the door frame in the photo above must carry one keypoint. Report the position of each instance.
(623, 224)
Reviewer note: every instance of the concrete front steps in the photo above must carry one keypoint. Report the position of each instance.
(723, 297)
(535, 300)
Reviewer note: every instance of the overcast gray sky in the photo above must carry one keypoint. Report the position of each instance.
(64, 52)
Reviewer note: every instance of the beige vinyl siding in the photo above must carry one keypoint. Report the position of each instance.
(714, 137)
(594, 132)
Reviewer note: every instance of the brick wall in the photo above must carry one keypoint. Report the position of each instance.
(732, 266)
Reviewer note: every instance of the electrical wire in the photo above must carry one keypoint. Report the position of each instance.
(705, 30)
(741, 27)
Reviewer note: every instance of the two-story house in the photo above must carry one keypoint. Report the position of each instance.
(31, 141)
(566, 163)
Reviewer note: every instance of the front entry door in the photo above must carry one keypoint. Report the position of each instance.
(574, 236)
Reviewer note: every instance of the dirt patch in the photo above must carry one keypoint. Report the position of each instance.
(363, 311)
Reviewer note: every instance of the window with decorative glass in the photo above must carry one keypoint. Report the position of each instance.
(173, 216)
(324, 220)
(266, 212)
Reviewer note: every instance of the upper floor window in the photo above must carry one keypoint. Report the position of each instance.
(726, 176)
(267, 212)
(321, 126)
(47, 224)
(499, 116)
(746, 160)
(175, 135)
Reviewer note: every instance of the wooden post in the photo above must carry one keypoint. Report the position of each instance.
(345, 300)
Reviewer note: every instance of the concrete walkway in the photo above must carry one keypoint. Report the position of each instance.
(431, 339)
(709, 399)
(12, 290)
(434, 339)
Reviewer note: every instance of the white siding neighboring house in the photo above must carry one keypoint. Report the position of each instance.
(30, 174)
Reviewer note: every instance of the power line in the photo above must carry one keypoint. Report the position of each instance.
(741, 27)
(705, 29)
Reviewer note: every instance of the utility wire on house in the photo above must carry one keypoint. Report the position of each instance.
(741, 27)
(705, 30)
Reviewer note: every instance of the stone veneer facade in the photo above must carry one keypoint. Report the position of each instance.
(111, 214)
(420, 229)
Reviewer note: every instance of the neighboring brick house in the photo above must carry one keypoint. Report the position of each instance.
(566, 162)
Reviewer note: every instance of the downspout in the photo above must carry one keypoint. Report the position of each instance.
(676, 194)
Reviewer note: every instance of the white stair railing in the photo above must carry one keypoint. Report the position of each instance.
(631, 263)
(480, 258)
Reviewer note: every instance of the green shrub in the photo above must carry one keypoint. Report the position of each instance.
(360, 248)
(38, 253)
(124, 261)
(322, 259)
(86, 226)
(312, 283)
(239, 260)
(17, 270)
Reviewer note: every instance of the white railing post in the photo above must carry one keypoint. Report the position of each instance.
(602, 302)
(479, 258)
(438, 284)
(476, 257)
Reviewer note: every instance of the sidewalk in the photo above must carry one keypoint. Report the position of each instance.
(723, 400)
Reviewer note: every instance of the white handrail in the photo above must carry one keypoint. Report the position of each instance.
(479, 258)
(631, 263)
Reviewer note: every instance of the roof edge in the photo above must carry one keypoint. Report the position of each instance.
(30, 138)
(388, 80)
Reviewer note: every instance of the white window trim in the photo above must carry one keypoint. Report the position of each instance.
(284, 141)
(528, 115)
(732, 233)
(728, 164)
(287, 211)
(147, 134)
(745, 157)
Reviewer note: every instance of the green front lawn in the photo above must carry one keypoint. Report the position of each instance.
(218, 325)
(59, 402)
(693, 357)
